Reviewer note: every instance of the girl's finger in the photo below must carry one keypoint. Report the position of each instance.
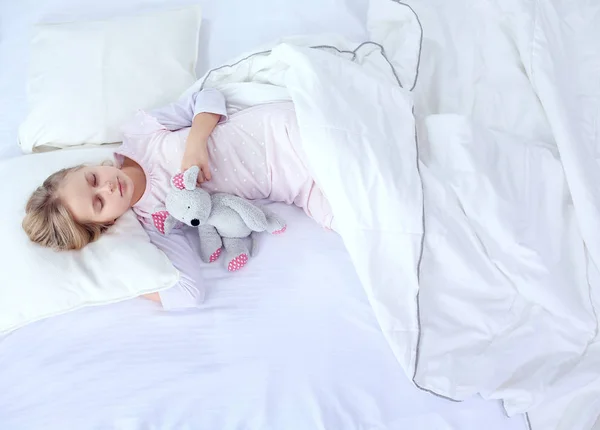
(200, 178)
(206, 172)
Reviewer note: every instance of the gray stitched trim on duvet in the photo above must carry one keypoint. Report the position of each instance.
(341, 51)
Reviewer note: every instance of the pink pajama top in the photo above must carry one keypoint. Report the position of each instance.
(255, 154)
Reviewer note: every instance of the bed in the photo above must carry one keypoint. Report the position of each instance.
(279, 346)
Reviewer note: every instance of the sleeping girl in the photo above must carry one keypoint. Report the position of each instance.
(255, 153)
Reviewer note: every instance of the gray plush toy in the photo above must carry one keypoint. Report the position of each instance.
(223, 220)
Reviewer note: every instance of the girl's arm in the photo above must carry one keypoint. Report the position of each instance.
(180, 114)
(201, 111)
(196, 145)
(188, 292)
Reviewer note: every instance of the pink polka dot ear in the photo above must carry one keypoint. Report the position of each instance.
(177, 181)
(159, 219)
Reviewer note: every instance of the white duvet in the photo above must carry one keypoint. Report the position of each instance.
(475, 229)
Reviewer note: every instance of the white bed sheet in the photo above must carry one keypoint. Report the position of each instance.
(277, 346)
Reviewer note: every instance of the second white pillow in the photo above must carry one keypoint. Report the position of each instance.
(87, 78)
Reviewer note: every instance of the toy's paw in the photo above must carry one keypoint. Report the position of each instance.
(281, 230)
(215, 256)
(275, 224)
(237, 263)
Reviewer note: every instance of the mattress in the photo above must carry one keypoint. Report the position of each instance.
(277, 346)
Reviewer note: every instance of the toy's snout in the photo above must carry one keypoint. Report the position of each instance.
(195, 222)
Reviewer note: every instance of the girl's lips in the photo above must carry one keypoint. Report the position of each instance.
(120, 187)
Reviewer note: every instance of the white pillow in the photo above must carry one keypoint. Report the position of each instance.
(37, 282)
(87, 78)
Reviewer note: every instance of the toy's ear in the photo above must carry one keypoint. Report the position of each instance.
(186, 180)
(190, 176)
(177, 182)
(163, 221)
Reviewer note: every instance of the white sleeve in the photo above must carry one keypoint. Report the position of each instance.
(180, 114)
(189, 291)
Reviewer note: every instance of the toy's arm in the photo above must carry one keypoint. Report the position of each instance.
(163, 221)
(252, 215)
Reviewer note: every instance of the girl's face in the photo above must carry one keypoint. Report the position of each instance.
(98, 194)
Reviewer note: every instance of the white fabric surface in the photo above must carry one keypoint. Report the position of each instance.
(506, 267)
(287, 343)
(37, 282)
(509, 271)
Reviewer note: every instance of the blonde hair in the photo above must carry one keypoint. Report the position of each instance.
(49, 223)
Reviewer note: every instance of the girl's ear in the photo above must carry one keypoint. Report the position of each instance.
(163, 221)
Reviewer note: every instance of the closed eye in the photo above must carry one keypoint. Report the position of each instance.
(92, 180)
(98, 204)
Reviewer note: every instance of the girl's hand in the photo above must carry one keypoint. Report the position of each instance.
(196, 147)
(197, 155)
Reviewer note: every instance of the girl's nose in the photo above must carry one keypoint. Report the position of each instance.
(109, 187)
